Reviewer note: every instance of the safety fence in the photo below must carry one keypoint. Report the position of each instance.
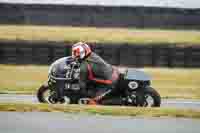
(120, 54)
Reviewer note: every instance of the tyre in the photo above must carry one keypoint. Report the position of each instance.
(151, 97)
(40, 93)
(45, 95)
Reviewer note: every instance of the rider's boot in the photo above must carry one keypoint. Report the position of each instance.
(102, 94)
(92, 102)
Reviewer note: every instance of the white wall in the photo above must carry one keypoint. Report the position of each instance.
(159, 3)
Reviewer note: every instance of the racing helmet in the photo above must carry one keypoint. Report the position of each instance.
(80, 50)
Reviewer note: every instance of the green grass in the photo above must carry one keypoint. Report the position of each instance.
(102, 35)
(170, 83)
(176, 83)
(22, 79)
(102, 110)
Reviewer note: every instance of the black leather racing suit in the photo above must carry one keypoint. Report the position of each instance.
(94, 69)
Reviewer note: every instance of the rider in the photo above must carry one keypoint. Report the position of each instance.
(94, 69)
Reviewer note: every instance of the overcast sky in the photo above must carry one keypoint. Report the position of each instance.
(159, 3)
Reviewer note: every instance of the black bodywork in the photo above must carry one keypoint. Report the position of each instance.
(131, 74)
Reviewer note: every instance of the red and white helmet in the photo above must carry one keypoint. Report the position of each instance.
(80, 50)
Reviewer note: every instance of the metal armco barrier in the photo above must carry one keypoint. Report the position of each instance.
(99, 16)
(120, 54)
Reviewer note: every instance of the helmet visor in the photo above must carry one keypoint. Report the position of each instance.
(76, 53)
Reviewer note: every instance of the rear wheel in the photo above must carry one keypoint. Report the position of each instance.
(147, 97)
(151, 98)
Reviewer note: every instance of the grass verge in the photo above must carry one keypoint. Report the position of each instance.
(170, 83)
(102, 35)
(102, 110)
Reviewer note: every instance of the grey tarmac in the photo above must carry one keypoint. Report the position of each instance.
(174, 103)
(41, 122)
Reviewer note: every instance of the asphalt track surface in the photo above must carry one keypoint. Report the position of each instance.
(41, 122)
(46, 122)
(175, 103)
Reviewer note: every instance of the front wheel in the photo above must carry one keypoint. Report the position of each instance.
(45, 95)
(41, 93)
